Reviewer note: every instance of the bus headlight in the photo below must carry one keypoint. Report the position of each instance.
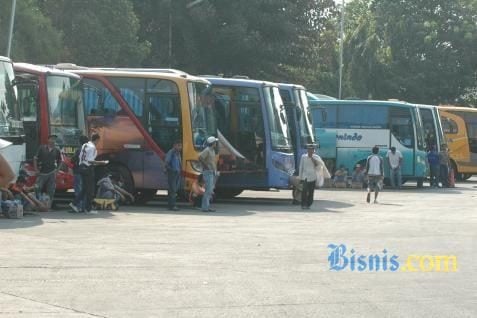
(195, 165)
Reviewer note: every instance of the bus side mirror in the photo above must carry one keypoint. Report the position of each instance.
(283, 118)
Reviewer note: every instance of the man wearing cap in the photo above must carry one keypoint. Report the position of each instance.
(174, 167)
(209, 171)
(309, 163)
(46, 162)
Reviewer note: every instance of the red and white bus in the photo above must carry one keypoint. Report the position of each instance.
(51, 102)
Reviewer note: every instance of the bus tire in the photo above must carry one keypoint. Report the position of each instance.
(227, 193)
(145, 195)
(466, 176)
(420, 182)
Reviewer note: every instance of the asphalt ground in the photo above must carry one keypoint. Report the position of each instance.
(257, 256)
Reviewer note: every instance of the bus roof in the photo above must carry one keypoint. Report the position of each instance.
(383, 103)
(238, 82)
(157, 70)
(458, 108)
(142, 74)
(5, 59)
(287, 85)
(39, 69)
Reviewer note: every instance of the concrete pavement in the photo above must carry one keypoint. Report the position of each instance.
(253, 258)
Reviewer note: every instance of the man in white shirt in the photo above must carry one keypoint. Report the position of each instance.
(375, 173)
(395, 162)
(309, 163)
(87, 161)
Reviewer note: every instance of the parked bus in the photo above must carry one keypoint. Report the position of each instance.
(460, 128)
(348, 129)
(139, 115)
(11, 126)
(51, 103)
(299, 118)
(255, 151)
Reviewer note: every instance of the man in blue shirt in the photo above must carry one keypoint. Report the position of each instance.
(173, 166)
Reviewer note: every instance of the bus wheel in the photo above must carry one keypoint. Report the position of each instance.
(145, 195)
(420, 182)
(227, 193)
(466, 176)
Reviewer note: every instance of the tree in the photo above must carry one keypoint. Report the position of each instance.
(34, 39)
(96, 33)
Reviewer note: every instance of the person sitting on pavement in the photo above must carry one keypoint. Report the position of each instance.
(197, 191)
(26, 195)
(357, 178)
(108, 190)
(340, 177)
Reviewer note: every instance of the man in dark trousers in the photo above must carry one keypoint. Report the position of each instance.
(87, 161)
(46, 162)
(307, 173)
(173, 167)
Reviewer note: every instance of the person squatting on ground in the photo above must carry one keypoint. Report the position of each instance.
(444, 164)
(77, 203)
(173, 168)
(109, 189)
(46, 162)
(395, 163)
(209, 171)
(197, 191)
(375, 173)
(86, 167)
(309, 164)
(434, 165)
(26, 195)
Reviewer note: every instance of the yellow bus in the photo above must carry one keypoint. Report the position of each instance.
(139, 115)
(460, 128)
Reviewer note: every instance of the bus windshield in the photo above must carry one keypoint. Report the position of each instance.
(276, 119)
(306, 134)
(201, 112)
(66, 112)
(10, 123)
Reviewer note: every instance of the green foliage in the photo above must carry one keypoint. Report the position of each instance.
(415, 50)
(35, 39)
(100, 33)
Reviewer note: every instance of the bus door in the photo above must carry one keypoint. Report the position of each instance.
(471, 125)
(163, 122)
(454, 129)
(242, 148)
(402, 137)
(29, 107)
(324, 125)
(292, 111)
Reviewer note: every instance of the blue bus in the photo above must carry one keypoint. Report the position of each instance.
(255, 150)
(348, 129)
(299, 118)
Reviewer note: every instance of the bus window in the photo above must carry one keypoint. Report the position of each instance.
(132, 91)
(449, 126)
(65, 108)
(202, 113)
(163, 112)
(429, 127)
(401, 126)
(286, 96)
(325, 116)
(98, 99)
(363, 117)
